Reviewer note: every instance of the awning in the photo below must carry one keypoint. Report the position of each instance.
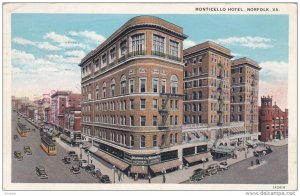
(66, 138)
(198, 157)
(92, 149)
(139, 169)
(112, 160)
(166, 165)
(223, 150)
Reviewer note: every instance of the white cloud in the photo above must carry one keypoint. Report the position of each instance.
(58, 38)
(41, 45)
(188, 43)
(75, 53)
(75, 45)
(274, 70)
(91, 35)
(62, 59)
(250, 42)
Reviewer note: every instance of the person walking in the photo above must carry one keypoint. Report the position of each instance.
(164, 178)
(149, 179)
(119, 175)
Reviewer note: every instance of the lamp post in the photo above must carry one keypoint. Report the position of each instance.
(114, 170)
(88, 156)
(80, 147)
(203, 161)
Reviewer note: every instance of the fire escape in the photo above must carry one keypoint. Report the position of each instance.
(221, 95)
(252, 103)
(164, 112)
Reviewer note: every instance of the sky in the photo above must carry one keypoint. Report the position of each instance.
(47, 48)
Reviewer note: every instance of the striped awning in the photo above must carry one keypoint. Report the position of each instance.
(112, 160)
(197, 157)
(166, 165)
(136, 169)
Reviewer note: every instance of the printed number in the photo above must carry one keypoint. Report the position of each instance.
(278, 187)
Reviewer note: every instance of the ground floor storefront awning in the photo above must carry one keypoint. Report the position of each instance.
(198, 157)
(223, 150)
(65, 138)
(136, 169)
(112, 160)
(165, 166)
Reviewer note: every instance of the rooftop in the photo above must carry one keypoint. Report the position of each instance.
(245, 60)
(205, 45)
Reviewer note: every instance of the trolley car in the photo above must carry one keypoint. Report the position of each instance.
(48, 146)
(22, 130)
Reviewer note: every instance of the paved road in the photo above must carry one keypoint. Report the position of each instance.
(58, 172)
(274, 171)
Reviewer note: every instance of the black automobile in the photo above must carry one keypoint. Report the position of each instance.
(18, 155)
(16, 138)
(97, 173)
(198, 175)
(75, 169)
(41, 172)
(90, 168)
(66, 160)
(27, 150)
(83, 163)
(75, 157)
(105, 179)
(72, 153)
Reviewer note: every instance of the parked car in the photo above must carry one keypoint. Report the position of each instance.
(90, 168)
(66, 160)
(83, 163)
(18, 155)
(105, 179)
(212, 169)
(27, 150)
(75, 169)
(262, 150)
(41, 172)
(198, 174)
(16, 138)
(97, 173)
(75, 157)
(71, 153)
(223, 166)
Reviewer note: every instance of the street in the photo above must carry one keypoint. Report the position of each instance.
(24, 171)
(274, 171)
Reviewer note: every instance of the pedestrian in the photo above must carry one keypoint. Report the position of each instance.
(119, 175)
(164, 178)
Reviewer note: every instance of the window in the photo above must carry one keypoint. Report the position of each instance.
(240, 108)
(143, 85)
(97, 91)
(176, 120)
(241, 70)
(171, 138)
(171, 120)
(131, 120)
(143, 104)
(143, 139)
(154, 120)
(138, 44)
(232, 108)
(131, 104)
(241, 79)
(158, 44)
(154, 140)
(143, 121)
(112, 88)
(104, 90)
(241, 89)
(176, 104)
(131, 86)
(174, 84)
(112, 53)
(123, 48)
(154, 103)
(163, 86)
(176, 137)
(123, 85)
(155, 85)
(200, 95)
(241, 98)
(199, 107)
(173, 48)
(96, 64)
(131, 140)
(104, 59)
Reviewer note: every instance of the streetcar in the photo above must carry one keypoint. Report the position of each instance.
(22, 129)
(48, 146)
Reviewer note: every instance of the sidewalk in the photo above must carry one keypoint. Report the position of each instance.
(278, 142)
(175, 177)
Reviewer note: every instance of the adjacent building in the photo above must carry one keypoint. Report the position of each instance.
(273, 122)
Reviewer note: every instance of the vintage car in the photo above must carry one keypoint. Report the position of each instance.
(75, 169)
(75, 157)
(83, 163)
(18, 155)
(212, 169)
(41, 172)
(223, 166)
(198, 175)
(72, 153)
(66, 160)
(262, 150)
(90, 168)
(97, 173)
(105, 179)
(27, 150)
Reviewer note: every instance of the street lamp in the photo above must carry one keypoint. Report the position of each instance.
(114, 170)
(88, 156)
(80, 146)
(203, 161)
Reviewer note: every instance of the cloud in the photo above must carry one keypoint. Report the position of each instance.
(91, 35)
(58, 38)
(41, 45)
(75, 53)
(62, 59)
(75, 45)
(274, 70)
(249, 42)
(188, 43)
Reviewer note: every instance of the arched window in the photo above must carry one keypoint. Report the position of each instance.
(131, 140)
(97, 92)
(143, 141)
(112, 87)
(123, 85)
(174, 84)
(104, 90)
